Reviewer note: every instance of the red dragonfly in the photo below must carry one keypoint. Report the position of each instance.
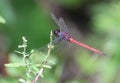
(63, 34)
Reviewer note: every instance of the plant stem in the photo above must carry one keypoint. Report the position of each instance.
(50, 46)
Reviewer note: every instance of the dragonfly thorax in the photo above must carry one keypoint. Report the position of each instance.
(62, 35)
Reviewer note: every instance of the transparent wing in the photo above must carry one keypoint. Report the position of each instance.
(40, 54)
(44, 48)
(60, 23)
(63, 25)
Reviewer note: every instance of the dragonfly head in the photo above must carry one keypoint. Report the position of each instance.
(56, 32)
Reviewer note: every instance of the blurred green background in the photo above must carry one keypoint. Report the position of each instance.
(96, 22)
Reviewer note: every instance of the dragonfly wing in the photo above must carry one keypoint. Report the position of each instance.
(63, 25)
(58, 22)
(44, 48)
(55, 19)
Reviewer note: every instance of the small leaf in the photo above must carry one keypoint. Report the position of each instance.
(2, 20)
(47, 66)
(41, 72)
(52, 61)
(15, 65)
(35, 68)
(42, 75)
(31, 51)
(24, 39)
(20, 46)
(22, 80)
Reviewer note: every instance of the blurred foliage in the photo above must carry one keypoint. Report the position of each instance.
(2, 20)
(106, 20)
(26, 18)
(106, 17)
(71, 3)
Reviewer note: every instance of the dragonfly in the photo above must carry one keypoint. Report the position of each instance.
(63, 34)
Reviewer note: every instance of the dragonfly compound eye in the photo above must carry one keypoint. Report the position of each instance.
(56, 32)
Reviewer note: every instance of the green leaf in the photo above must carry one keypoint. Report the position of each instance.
(2, 20)
(42, 75)
(14, 65)
(47, 66)
(35, 68)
